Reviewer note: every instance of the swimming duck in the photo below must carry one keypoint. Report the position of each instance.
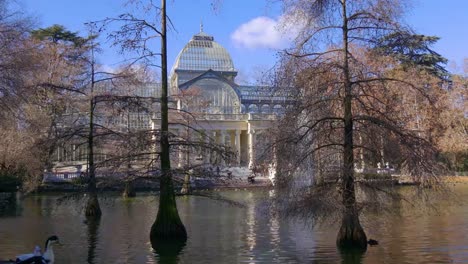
(36, 257)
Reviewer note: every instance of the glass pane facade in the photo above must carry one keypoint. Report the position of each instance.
(214, 97)
(217, 93)
(202, 53)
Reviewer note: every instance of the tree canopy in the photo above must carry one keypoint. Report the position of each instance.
(413, 50)
(58, 33)
(352, 103)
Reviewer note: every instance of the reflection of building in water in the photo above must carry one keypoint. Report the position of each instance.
(202, 83)
(251, 234)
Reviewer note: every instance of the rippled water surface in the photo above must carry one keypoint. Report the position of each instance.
(222, 233)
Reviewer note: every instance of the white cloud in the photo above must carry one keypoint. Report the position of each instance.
(108, 68)
(265, 32)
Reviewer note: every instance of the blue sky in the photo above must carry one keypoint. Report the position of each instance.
(235, 22)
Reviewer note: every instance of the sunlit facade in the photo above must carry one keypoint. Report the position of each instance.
(202, 82)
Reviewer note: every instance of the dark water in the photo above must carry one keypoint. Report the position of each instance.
(221, 233)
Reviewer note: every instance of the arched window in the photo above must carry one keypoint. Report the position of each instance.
(253, 109)
(243, 109)
(265, 109)
(278, 109)
(212, 96)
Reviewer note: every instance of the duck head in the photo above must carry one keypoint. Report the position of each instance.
(52, 240)
(49, 251)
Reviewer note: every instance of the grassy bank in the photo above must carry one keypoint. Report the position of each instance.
(455, 179)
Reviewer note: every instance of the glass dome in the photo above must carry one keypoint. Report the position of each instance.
(202, 53)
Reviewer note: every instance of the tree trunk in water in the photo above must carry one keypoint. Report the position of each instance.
(129, 191)
(168, 225)
(92, 206)
(93, 209)
(351, 234)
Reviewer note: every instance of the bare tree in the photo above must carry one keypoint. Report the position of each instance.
(19, 109)
(137, 35)
(168, 224)
(93, 96)
(454, 141)
(345, 90)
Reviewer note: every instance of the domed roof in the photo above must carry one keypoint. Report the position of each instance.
(202, 53)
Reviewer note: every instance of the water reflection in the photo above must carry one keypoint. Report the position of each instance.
(9, 205)
(220, 233)
(167, 251)
(351, 256)
(251, 232)
(92, 224)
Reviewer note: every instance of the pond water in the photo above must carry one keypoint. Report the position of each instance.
(222, 233)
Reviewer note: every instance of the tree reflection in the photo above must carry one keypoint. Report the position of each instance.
(167, 250)
(93, 228)
(9, 205)
(352, 256)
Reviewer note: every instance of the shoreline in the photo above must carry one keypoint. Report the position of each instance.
(214, 183)
(153, 186)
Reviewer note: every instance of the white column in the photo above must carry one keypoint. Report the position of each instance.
(222, 141)
(222, 137)
(251, 144)
(214, 140)
(206, 151)
(154, 145)
(180, 152)
(187, 149)
(237, 147)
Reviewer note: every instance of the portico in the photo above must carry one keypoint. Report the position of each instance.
(236, 133)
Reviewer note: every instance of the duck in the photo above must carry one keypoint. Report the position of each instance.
(36, 257)
(373, 242)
